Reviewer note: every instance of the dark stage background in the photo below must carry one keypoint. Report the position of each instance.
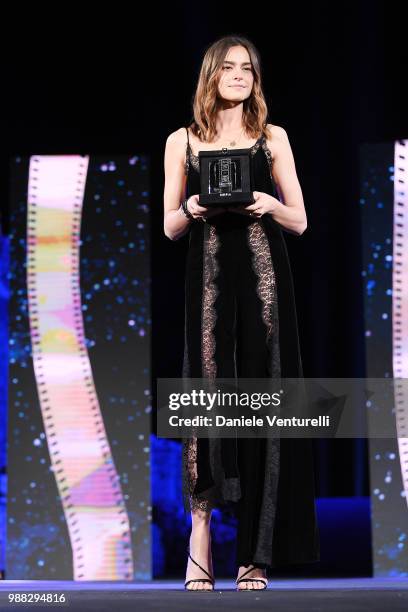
(333, 77)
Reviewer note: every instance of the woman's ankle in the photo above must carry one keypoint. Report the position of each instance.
(200, 519)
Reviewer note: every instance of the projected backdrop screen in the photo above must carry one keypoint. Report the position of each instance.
(79, 378)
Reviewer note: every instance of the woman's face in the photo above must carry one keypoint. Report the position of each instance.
(236, 76)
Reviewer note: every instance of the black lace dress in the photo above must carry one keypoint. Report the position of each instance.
(239, 264)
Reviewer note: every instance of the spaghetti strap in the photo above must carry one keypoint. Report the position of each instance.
(187, 162)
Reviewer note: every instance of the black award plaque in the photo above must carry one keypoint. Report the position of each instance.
(226, 177)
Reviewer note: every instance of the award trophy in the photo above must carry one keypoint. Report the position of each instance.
(226, 177)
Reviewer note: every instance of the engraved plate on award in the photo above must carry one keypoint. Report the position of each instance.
(226, 177)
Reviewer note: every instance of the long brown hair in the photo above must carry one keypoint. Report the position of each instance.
(205, 102)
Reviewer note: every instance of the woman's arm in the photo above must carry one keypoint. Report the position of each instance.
(289, 211)
(290, 214)
(176, 224)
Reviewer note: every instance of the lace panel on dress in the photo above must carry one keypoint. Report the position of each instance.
(267, 292)
(209, 368)
(210, 290)
(262, 262)
(190, 476)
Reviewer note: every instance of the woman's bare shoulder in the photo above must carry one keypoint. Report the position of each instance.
(277, 135)
(178, 137)
(277, 131)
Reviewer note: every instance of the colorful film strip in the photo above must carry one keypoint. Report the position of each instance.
(81, 458)
(400, 301)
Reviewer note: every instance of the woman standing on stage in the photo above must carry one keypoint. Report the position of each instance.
(240, 320)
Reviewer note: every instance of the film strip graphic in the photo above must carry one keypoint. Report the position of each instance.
(400, 301)
(81, 459)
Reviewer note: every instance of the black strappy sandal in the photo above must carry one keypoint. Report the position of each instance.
(242, 579)
(210, 578)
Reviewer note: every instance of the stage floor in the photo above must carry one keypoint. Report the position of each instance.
(336, 594)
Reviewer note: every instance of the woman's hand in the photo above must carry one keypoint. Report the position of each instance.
(264, 203)
(202, 213)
